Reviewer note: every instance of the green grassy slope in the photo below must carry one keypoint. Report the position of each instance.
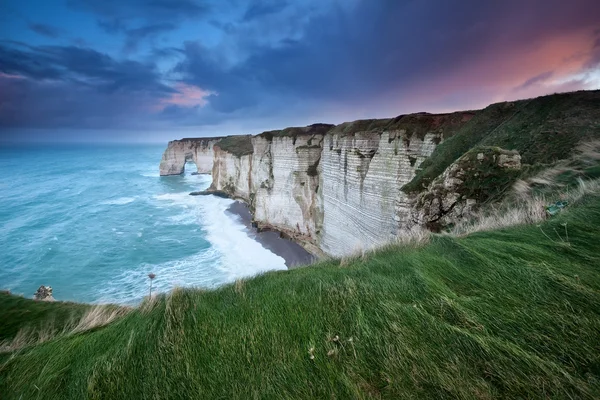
(512, 313)
(18, 313)
(543, 130)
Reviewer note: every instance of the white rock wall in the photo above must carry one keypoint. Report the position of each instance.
(361, 176)
(339, 193)
(285, 184)
(178, 152)
(232, 174)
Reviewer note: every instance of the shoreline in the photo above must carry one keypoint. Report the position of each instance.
(294, 254)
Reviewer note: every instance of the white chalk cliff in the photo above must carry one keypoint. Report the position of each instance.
(336, 190)
(178, 152)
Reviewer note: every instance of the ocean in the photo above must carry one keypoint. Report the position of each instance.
(93, 221)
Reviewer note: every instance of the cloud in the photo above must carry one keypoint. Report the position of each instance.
(302, 62)
(140, 20)
(136, 35)
(149, 10)
(260, 9)
(45, 30)
(543, 77)
(187, 96)
(392, 50)
(60, 104)
(67, 86)
(83, 66)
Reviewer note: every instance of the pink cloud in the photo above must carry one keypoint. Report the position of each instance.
(554, 64)
(186, 96)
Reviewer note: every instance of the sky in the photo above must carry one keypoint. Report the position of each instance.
(157, 70)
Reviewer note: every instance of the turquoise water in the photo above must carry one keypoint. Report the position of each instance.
(93, 221)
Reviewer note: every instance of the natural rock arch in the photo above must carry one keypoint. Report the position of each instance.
(179, 152)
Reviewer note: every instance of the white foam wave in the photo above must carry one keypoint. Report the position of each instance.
(119, 202)
(131, 286)
(232, 254)
(238, 254)
(242, 256)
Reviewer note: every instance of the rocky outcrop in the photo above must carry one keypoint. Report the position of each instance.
(178, 152)
(44, 293)
(479, 176)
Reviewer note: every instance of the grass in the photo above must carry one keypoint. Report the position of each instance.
(237, 145)
(543, 130)
(27, 323)
(417, 125)
(294, 132)
(18, 313)
(513, 313)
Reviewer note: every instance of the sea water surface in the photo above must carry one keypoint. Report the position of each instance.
(93, 220)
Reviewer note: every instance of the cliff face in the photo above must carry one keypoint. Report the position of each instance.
(354, 186)
(333, 189)
(361, 176)
(279, 179)
(178, 152)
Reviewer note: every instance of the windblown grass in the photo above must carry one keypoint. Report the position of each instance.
(525, 207)
(30, 323)
(512, 313)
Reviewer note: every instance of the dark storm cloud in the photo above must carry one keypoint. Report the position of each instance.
(298, 59)
(151, 10)
(45, 30)
(387, 45)
(139, 20)
(384, 46)
(81, 65)
(60, 104)
(67, 86)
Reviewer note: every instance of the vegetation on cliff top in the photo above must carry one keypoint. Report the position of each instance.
(418, 124)
(237, 145)
(513, 313)
(543, 130)
(293, 132)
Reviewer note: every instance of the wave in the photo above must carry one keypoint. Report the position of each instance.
(237, 255)
(131, 285)
(119, 202)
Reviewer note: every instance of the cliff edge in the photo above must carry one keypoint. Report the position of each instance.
(352, 187)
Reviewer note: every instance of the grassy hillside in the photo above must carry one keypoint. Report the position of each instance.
(513, 313)
(543, 130)
(19, 314)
